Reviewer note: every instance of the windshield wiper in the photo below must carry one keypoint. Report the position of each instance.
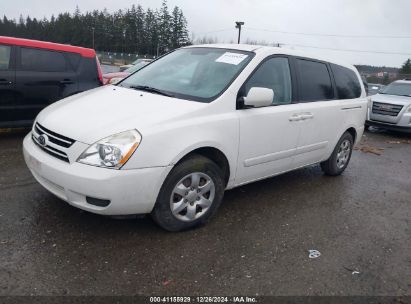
(151, 90)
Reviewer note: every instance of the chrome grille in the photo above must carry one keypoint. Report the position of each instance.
(386, 108)
(55, 145)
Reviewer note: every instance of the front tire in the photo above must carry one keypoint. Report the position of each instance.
(340, 157)
(190, 195)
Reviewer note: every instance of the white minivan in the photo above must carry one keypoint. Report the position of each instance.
(170, 138)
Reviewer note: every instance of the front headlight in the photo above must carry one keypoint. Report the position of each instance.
(113, 151)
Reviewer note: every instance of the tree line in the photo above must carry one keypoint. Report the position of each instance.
(134, 30)
(406, 67)
(403, 70)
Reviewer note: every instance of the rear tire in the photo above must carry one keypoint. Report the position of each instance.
(340, 157)
(190, 195)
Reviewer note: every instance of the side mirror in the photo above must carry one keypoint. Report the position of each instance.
(259, 97)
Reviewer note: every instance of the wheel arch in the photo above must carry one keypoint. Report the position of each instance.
(353, 133)
(213, 153)
(350, 129)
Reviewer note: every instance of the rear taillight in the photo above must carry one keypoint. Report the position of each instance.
(100, 74)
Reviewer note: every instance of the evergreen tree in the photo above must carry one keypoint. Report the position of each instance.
(164, 28)
(131, 24)
(175, 27)
(140, 33)
(183, 37)
(125, 31)
(406, 67)
(179, 35)
(151, 32)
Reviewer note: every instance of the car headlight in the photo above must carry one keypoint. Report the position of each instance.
(409, 109)
(113, 151)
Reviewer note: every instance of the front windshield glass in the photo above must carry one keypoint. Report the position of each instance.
(136, 67)
(137, 61)
(198, 74)
(401, 89)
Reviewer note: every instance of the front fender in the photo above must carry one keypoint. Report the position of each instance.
(165, 145)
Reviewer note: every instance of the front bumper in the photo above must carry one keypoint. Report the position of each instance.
(392, 127)
(129, 191)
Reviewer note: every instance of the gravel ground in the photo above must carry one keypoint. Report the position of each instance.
(257, 244)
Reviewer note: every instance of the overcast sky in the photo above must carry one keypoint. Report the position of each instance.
(215, 18)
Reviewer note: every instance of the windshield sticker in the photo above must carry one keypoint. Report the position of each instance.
(231, 58)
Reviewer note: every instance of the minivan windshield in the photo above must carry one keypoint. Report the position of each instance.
(198, 74)
(400, 89)
(136, 67)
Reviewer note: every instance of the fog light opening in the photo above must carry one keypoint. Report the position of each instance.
(97, 201)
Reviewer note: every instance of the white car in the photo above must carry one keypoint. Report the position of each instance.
(170, 138)
(391, 107)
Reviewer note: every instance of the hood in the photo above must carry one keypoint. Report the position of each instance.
(394, 99)
(92, 115)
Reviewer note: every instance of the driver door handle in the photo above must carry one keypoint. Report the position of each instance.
(307, 115)
(294, 117)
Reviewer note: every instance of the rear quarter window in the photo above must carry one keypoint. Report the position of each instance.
(348, 85)
(88, 70)
(42, 60)
(314, 82)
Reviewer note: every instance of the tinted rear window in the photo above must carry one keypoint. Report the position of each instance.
(74, 60)
(346, 81)
(42, 60)
(314, 81)
(4, 57)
